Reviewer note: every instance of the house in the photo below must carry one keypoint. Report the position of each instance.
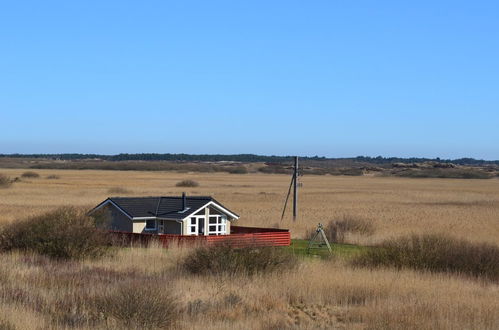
(180, 215)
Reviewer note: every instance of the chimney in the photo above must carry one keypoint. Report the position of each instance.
(184, 201)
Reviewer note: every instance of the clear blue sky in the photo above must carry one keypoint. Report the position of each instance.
(332, 78)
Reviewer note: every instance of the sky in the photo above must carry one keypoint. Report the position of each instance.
(327, 78)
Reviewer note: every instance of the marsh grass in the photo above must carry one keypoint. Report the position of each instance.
(5, 181)
(436, 253)
(187, 183)
(30, 175)
(226, 260)
(138, 306)
(338, 230)
(118, 190)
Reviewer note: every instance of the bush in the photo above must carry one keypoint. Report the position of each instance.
(237, 170)
(118, 190)
(447, 173)
(53, 177)
(336, 230)
(139, 306)
(187, 183)
(231, 261)
(66, 233)
(5, 181)
(30, 174)
(435, 253)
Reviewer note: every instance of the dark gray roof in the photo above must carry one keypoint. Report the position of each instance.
(161, 207)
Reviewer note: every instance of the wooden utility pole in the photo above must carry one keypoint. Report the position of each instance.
(294, 185)
(295, 189)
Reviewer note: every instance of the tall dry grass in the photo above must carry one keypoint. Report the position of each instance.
(54, 294)
(317, 294)
(395, 206)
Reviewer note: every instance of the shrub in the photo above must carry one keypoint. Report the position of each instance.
(187, 183)
(231, 261)
(337, 229)
(447, 173)
(66, 233)
(140, 306)
(53, 177)
(118, 190)
(237, 170)
(435, 253)
(5, 181)
(30, 174)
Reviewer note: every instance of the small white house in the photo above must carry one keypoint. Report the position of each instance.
(180, 215)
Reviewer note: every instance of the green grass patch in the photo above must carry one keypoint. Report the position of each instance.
(299, 247)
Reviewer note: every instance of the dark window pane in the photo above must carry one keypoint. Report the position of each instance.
(213, 228)
(150, 224)
(193, 221)
(213, 219)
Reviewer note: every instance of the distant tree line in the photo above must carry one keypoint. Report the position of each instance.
(247, 158)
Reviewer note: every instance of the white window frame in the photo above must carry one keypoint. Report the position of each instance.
(191, 226)
(220, 225)
(155, 225)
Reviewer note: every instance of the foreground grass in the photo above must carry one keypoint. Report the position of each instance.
(36, 292)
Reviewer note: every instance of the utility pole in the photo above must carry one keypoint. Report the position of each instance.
(295, 189)
(294, 185)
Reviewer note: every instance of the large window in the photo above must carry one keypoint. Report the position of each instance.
(150, 224)
(217, 225)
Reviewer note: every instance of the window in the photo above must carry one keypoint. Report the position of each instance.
(217, 225)
(193, 224)
(150, 224)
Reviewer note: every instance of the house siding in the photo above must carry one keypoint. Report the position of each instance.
(118, 220)
(173, 227)
(139, 226)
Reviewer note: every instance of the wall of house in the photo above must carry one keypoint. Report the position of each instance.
(173, 227)
(139, 226)
(206, 212)
(117, 220)
(213, 210)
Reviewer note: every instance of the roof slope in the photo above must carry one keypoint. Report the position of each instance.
(162, 207)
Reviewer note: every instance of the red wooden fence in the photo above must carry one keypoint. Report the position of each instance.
(239, 237)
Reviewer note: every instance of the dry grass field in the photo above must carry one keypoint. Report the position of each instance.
(464, 208)
(37, 293)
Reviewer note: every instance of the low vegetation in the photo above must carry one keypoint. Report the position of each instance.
(5, 181)
(137, 305)
(237, 170)
(337, 230)
(53, 177)
(444, 173)
(227, 260)
(30, 175)
(187, 183)
(436, 253)
(66, 233)
(118, 190)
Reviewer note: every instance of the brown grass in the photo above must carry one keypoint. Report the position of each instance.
(317, 294)
(5, 181)
(30, 175)
(395, 206)
(118, 190)
(187, 183)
